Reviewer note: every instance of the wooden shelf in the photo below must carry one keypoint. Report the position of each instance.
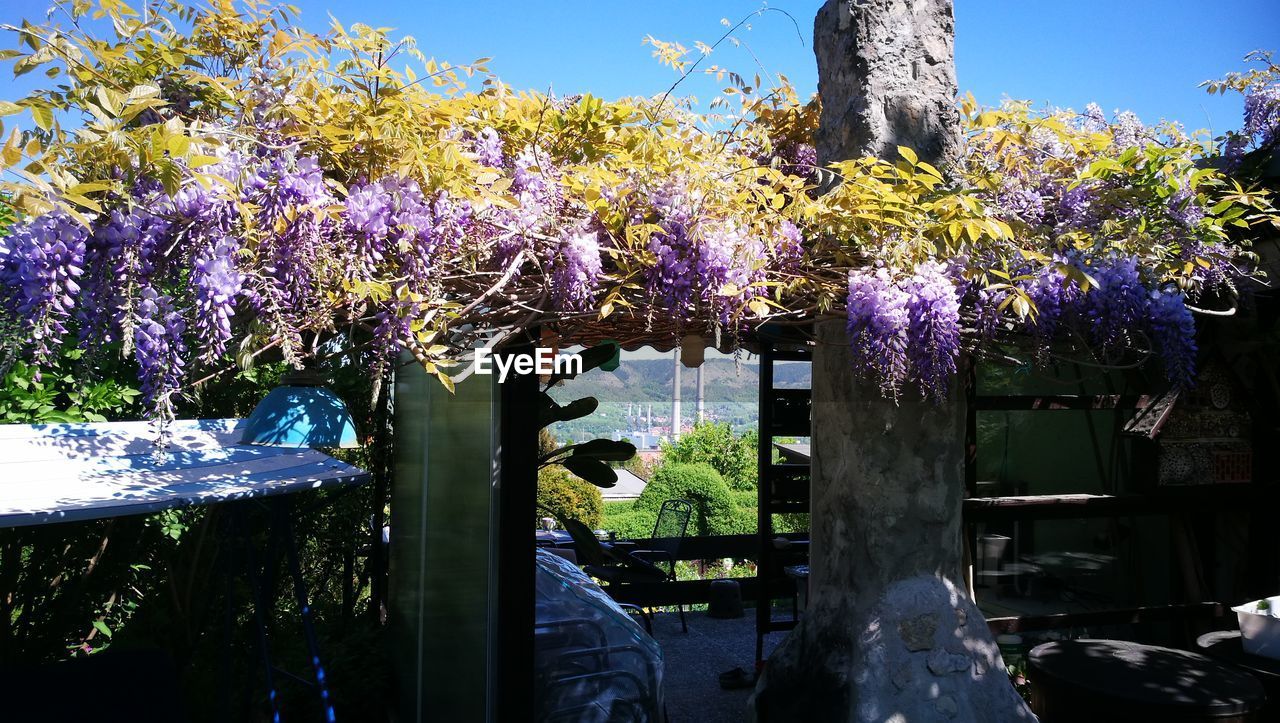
(1158, 502)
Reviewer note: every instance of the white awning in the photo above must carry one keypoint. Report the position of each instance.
(62, 472)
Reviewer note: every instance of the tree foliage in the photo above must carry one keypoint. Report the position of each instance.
(714, 443)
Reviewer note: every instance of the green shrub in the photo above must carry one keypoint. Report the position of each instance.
(791, 522)
(630, 525)
(569, 496)
(618, 507)
(733, 456)
(742, 522)
(702, 485)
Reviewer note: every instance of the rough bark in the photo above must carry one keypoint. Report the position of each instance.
(889, 633)
(887, 78)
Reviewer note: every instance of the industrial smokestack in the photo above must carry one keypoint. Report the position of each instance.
(675, 399)
(701, 401)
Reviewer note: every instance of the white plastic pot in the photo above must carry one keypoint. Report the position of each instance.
(1260, 629)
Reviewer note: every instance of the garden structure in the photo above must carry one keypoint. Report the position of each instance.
(205, 192)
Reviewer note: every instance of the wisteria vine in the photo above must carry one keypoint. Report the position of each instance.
(290, 207)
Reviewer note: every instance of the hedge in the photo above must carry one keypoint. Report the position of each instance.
(701, 484)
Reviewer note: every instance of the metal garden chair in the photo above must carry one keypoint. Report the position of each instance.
(657, 563)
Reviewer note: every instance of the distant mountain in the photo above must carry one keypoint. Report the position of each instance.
(730, 390)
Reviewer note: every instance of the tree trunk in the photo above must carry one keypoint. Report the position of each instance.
(887, 78)
(889, 633)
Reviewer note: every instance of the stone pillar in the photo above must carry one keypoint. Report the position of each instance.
(889, 633)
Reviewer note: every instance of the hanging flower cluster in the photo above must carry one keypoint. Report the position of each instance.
(286, 207)
(1260, 86)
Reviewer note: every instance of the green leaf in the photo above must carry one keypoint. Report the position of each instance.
(606, 450)
(592, 470)
(551, 412)
(102, 628)
(591, 358)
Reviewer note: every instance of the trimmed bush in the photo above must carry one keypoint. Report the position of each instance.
(617, 507)
(631, 525)
(745, 498)
(742, 522)
(569, 496)
(702, 485)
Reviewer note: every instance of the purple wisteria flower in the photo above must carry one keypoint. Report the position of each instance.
(577, 272)
(878, 320)
(41, 262)
(1128, 131)
(788, 246)
(1183, 209)
(488, 148)
(1055, 298)
(1093, 120)
(933, 328)
(127, 246)
(1261, 127)
(159, 349)
(707, 264)
(216, 283)
(1025, 203)
(1117, 305)
(1173, 331)
(1075, 209)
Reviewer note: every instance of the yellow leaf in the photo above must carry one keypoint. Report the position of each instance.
(42, 116)
(12, 152)
(909, 154)
(90, 187)
(445, 380)
(82, 201)
(178, 145)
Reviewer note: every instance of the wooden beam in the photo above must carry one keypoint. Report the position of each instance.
(1061, 402)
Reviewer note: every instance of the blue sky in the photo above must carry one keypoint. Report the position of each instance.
(1146, 56)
